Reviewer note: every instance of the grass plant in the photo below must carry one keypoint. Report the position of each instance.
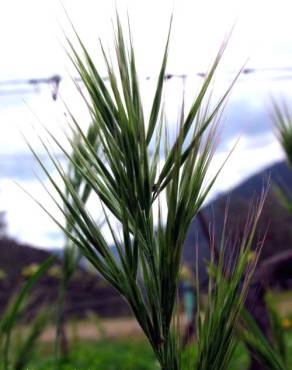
(282, 119)
(268, 353)
(16, 357)
(229, 282)
(131, 184)
(72, 255)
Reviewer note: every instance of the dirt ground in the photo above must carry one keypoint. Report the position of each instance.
(96, 329)
(90, 330)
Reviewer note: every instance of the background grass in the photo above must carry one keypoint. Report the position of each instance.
(126, 354)
(123, 354)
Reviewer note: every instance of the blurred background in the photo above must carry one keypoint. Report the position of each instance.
(37, 83)
(36, 77)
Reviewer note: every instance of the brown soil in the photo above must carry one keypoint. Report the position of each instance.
(114, 329)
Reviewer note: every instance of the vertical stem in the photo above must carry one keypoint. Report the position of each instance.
(60, 321)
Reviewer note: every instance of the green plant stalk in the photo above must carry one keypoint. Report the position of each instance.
(23, 354)
(252, 335)
(278, 335)
(282, 119)
(60, 322)
(9, 318)
(71, 255)
(228, 285)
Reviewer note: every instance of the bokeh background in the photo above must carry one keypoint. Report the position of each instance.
(33, 55)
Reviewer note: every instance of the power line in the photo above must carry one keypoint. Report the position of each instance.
(54, 81)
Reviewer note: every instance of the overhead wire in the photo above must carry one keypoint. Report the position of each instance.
(55, 80)
(10, 87)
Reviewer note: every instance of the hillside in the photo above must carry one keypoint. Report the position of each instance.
(274, 218)
(86, 292)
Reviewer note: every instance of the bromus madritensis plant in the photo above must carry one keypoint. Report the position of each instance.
(132, 184)
(282, 119)
(72, 255)
(271, 351)
(12, 356)
(226, 320)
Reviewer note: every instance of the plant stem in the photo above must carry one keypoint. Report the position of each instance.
(61, 345)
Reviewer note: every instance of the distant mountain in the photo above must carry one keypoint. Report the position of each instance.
(279, 173)
(279, 236)
(86, 293)
(14, 256)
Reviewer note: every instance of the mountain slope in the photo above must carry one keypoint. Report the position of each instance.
(274, 218)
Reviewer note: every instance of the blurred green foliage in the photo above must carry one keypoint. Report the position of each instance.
(129, 354)
(122, 355)
(104, 355)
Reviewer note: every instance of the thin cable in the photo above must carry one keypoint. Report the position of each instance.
(54, 81)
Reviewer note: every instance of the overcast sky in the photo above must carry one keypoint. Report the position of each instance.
(31, 31)
(32, 46)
